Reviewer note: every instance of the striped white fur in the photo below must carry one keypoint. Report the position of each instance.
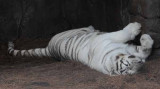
(105, 52)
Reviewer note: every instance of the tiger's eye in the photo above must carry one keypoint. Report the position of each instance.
(132, 56)
(140, 62)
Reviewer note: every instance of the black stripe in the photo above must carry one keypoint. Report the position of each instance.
(123, 62)
(122, 71)
(76, 54)
(117, 66)
(66, 47)
(46, 52)
(80, 44)
(56, 47)
(120, 65)
(72, 52)
(74, 41)
(26, 53)
(33, 51)
(42, 55)
(59, 47)
(137, 50)
(77, 45)
(84, 45)
(108, 53)
(73, 47)
(69, 47)
(128, 63)
(85, 39)
(18, 53)
(11, 53)
(31, 54)
(66, 51)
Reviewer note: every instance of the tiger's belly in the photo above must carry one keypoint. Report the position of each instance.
(73, 48)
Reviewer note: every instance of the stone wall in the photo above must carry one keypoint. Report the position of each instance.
(45, 18)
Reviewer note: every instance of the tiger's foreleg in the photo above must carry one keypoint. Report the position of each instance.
(128, 33)
(145, 49)
(133, 29)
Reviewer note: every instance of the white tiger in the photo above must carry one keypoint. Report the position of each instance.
(104, 52)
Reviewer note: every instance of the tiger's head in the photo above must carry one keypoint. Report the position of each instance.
(127, 64)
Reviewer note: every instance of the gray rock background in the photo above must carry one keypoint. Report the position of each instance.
(45, 18)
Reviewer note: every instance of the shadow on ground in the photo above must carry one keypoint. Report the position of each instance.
(45, 73)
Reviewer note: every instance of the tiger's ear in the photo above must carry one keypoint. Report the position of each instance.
(131, 56)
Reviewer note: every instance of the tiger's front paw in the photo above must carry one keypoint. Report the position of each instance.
(146, 41)
(133, 29)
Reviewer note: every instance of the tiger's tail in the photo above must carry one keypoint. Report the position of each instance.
(37, 52)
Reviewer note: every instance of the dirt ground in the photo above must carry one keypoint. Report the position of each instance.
(46, 73)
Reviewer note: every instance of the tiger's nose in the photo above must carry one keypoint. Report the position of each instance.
(142, 61)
